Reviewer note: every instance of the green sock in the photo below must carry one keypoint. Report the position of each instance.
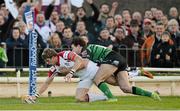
(139, 91)
(105, 89)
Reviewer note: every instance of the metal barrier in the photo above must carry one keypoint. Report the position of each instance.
(18, 79)
(18, 57)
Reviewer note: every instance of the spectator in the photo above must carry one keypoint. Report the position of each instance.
(158, 15)
(5, 11)
(147, 26)
(43, 30)
(134, 42)
(165, 20)
(148, 14)
(166, 53)
(104, 38)
(3, 57)
(119, 34)
(110, 25)
(51, 16)
(173, 28)
(137, 16)
(90, 21)
(153, 10)
(59, 28)
(81, 31)
(105, 11)
(174, 14)
(25, 40)
(65, 15)
(4, 26)
(126, 17)
(150, 45)
(52, 21)
(118, 20)
(55, 42)
(20, 17)
(118, 46)
(67, 37)
(14, 48)
(153, 25)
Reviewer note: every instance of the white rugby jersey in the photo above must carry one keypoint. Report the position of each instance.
(64, 60)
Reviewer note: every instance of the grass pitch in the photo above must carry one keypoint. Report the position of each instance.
(69, 103)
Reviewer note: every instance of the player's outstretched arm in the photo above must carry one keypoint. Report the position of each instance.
(32, 99)
(45, 85)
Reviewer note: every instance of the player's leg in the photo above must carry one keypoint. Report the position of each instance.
(104, 71)
(122, 78)
(83, 94)
(111, 64)
(112, 81)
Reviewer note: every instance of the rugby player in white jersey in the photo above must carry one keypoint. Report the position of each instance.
(69, 62)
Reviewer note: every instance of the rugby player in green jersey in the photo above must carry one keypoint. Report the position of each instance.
(111, 64)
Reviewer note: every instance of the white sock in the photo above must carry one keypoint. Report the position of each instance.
(133, 73)
(96, 97)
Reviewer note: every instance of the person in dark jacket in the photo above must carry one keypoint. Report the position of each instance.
(166, 53)
(134, 42)
(104, 39)
(14, 48)
(90, 21)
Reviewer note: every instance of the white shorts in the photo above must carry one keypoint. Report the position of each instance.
(87, 75)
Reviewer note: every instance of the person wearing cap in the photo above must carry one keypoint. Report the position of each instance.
(147, 28)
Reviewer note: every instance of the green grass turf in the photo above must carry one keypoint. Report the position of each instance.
(69, 103)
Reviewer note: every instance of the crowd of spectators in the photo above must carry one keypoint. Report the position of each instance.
(148, 39)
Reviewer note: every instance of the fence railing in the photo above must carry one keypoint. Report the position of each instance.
(157, 79)
(19, 57)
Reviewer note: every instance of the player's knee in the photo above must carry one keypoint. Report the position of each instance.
(97, 81)
(126, 89)
(81, 99)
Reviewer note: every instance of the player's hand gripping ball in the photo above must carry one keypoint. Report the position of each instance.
(28, 99)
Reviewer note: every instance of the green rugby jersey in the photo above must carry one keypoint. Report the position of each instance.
(97, 53)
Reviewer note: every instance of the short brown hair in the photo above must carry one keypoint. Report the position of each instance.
(79, 41)
(48, 53)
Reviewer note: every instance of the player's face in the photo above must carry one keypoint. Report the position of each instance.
(48, 61)
(51, 61)
(77, 49)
